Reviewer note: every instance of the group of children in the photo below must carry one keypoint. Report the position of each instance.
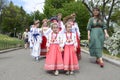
(59, 42)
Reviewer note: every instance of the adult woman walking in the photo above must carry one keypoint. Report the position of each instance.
(97, 30)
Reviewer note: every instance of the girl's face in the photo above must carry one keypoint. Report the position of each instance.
(95, 12)
(26, 30)
(37, 25)
(55, 28)
(45, 24)
(68, 27)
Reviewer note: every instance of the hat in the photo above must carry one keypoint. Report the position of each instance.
(54, 19)
(65, 19)
(36, 21)
(73, 14)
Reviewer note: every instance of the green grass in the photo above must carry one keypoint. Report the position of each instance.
(118, 55)
(7, 42)
(106, 52)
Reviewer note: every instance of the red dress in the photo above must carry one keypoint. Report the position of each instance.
(54, 59)
(75, 30)
(78, 47)
(46, 31)
(70, 57)
(59, 23)
(43, 46)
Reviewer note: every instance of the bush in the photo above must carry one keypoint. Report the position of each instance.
(7, 42)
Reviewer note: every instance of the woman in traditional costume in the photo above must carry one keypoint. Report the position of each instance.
(97, 30)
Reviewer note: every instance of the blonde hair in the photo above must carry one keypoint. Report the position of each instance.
(52, 24)
(67, 18)
(45, 20)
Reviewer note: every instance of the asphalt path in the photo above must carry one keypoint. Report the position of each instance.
(19, 65)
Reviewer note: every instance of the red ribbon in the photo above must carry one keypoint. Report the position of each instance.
(53, 38)
(69, 38)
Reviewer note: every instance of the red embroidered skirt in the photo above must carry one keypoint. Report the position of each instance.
(54, 59)
(70, 58)
(78, 47)
(43, 46)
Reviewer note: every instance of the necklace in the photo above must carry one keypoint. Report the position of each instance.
(69, 38)
(53, 39)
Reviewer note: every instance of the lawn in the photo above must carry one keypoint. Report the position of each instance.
(7, 42)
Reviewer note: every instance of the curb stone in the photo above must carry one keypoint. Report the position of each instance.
(12, 49)
(112, 61)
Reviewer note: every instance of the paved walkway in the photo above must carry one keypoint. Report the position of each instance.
(19, 65)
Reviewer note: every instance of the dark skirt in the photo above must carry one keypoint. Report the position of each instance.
(96, 42)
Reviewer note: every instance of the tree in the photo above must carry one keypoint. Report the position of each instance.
(107, 7)
(14, 18)
(81, 13)
(67, 8)
(116, 15)
(3, 4)
(30, 18)
(53, 6)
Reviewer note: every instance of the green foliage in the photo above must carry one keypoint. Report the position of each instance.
(53, 6)
(110, 31)
(116, 16)
(3, 3)
(67, 9)
(37, 16)
(82, 16)
(8, 42)
(13, 17)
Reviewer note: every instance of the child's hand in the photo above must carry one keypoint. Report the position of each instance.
(106, 35)
(61, 49)
(75, 49)
(47, 49)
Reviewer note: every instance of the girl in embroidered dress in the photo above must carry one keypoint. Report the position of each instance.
(60, 23)
(70, 46)
(75, 29)
(45, 32)
(54, 47)
(30, 38)
(36, 40)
